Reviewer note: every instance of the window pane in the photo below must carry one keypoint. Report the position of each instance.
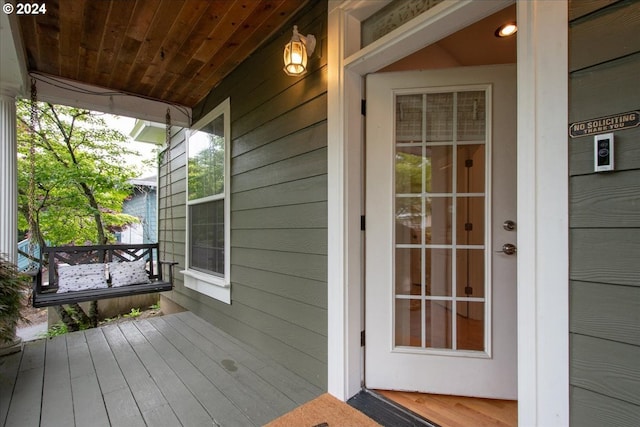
(470, 220)
(408, 220)
(438, 219)
(470, 273)
(391, 17)
(471, 116)
(206, 160)
(206, 240)
(470, 326)
(409, 116)
(471, 172)
(408, 327)
(437, 274)
(438, 165)
(409, 162)
(438, 324)
(440, 117)
(408, 271)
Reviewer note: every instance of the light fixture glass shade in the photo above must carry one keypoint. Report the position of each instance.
(506, 30)
(295, 58)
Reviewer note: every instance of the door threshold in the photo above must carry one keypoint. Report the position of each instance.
(456, 411)
(387, 412)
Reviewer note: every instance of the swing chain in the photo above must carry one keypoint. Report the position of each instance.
(168, 208)
(31, 194)
(167, 128)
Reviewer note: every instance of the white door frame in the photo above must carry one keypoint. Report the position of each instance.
(543, 310)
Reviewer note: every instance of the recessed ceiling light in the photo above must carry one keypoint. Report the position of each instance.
(506, 30)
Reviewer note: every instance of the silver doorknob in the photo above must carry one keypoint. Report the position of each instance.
(508, 249)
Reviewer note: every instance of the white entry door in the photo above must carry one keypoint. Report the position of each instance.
(440, 190)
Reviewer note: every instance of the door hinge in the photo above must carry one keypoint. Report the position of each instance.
(363, 107)
(361, 338)
(363, 223)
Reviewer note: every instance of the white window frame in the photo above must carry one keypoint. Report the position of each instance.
(217, 287)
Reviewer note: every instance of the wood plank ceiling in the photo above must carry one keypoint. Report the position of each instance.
(170, 50)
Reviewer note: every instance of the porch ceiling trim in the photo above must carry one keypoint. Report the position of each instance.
(13, 70)
(81, 95)
(14, 82)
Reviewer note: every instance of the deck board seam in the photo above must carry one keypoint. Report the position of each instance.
(169, 370)
(167, 380)
(112, 333)
(265, 362)
(200, 347)
(185, 359)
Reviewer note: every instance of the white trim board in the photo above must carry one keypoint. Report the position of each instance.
(543, 368)
(543, 224)
(13, 69)
(81, 95)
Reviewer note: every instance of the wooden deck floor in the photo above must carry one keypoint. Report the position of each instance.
(166, 371)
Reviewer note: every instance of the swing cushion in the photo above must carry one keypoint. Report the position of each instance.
(128, 273)
(81, 277)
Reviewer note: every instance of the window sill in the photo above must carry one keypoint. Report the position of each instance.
(211, 286)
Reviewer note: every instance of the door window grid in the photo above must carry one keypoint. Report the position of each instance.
(461, 119)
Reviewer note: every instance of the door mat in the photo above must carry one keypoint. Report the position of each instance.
(324, 411)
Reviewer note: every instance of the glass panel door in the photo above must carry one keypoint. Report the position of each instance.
(440, 305)
(440, 220)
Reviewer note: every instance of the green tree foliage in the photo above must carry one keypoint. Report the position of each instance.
(206, 164)
(80, 175)
(409, 169)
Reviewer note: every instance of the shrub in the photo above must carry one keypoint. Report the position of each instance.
(12, 282)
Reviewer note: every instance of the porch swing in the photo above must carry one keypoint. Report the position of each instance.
(74, 274)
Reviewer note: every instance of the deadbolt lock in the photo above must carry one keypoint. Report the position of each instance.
(509, 225)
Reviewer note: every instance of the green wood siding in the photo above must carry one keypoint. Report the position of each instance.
(606, 201)
(594, 409)
(604, 218)
(278, 205)
(583, 7)
(171, 199)
(602, 310)
(617, 29)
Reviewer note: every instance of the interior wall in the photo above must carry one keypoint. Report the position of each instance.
(473, 45)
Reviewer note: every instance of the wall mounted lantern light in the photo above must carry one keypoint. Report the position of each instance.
(297, 51)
